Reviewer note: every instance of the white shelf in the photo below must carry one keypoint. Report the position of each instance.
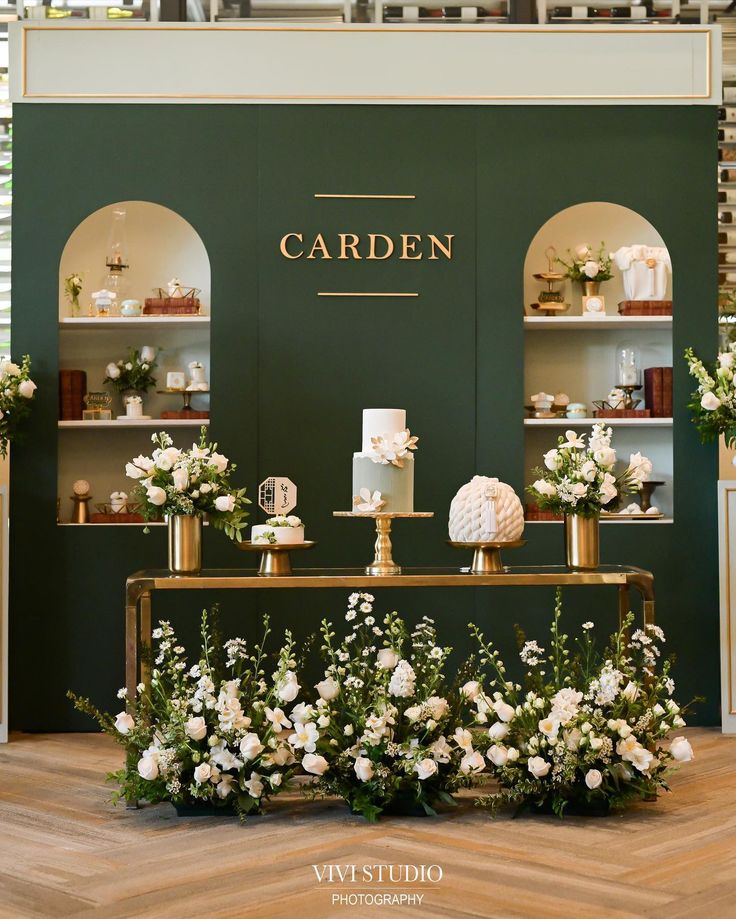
(578, 323)
(121, 322)
(607, 520)
(153, 523)
(589, 422)
(159, 424)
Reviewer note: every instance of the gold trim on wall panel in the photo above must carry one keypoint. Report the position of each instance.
(382, 197)
(266, 97)
(344, 293)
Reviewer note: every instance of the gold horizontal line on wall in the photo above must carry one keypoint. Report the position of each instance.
(346, 293)
(382, 197)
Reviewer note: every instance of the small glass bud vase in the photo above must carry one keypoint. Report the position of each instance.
(628, 366)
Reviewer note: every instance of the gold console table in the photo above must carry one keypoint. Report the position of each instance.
(141, 586)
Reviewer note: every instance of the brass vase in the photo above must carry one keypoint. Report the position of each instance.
(591, 288)
(185, 544)
(582, 542)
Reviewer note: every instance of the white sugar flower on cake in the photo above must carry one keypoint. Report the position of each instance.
(367, 503)
(386, 449)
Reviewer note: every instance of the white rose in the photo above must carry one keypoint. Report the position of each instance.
(605, 456)
(387, 659)
(293, 521)
(148, 354)
(128, 366)
(538, 767)
(596, 743)
(413, 713)
(181, 479)
(164, 462)
(425, 768)
(250, 746)
(196, 728)
(552, 460)
(8, 368)
(202, 773)
(582, 253)
(579, 489)
(545, 488)
(498, 731)
(124, 722)
(589, 470)
(225, 503)
(27, 389)
(710, 401)
(593, 778)
(726, 359)
(513, 754)
(328, 689)
(156, 495)
(471, 690)
(314, 764)
(681, 750)
(630, 692)
(148, 768)
(504, 711)
(363, 768)
(218, 462)
(472, 762)
(112, 371)
(591, 268)
(498, 755)
(289, 688)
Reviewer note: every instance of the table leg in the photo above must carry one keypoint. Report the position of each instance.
(145, 637)
(649, 612)
(624, 603)
(132, 598)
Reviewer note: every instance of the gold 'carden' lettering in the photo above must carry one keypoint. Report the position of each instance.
(285, 242)
(377, 247)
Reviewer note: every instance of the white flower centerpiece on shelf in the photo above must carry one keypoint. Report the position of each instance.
(207, 735)
(578, 481)
(386, 733)
(132, 376)
(588, 732)
(713, 403)
(184, 486)
(17, 391)
(588, 267)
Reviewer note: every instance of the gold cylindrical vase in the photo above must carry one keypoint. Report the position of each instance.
(582, 542)
(185, 544)
(591, 288)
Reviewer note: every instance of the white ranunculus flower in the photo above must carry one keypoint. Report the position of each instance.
(579, 489)
(225, 504)
(112, 371)
(413, 713)
(293, 520)
(289, 688)
(630, 692)
(498, 731)
(498, 755)
(589, 470)
(726, 359)
(552, 460)
(181, 479)
(472, 762)
(605, 457)
(148, 767)
(363, 768)
(640, 467)
(545, 488)
(538, 766)
(582, 253)
(250, 746)
(202, 773)
(387, 659)
(124, 722)
(328, 689)
(218, 462)
(591, 268)
(710, 401)
(27, 388)
(681, 750)
(425, 768)
(471, 690)
(593, 778)
(128, 366)
(164, 462)
(148, 354)
(315, 765)
(196, 728)
(156, 495)
(504, 711)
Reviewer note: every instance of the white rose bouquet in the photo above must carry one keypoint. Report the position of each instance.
(385, 734)
(589, 730)
(190, 482)
(212, 734)
(578, 478)
(16, 394)
(584, 264)
(713, 403)
(134, 372)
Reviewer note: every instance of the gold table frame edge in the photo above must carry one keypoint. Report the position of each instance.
(140, 586)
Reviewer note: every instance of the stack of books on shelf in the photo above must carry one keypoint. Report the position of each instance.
(658, 391)
(72, 390)
(645, 308)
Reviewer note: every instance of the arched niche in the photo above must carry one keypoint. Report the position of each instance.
(578, 356)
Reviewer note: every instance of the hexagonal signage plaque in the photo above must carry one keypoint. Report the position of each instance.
(277, 495)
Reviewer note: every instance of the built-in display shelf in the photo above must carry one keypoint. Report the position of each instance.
(606, 520)
(579, 323)
(153, 523)
(122, 322)
(135, 423)
(588, 422)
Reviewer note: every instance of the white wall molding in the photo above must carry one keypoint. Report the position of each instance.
(353, 63)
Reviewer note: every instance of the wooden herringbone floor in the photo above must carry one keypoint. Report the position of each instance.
(65, 851)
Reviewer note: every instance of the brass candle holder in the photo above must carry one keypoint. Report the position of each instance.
(383, 563)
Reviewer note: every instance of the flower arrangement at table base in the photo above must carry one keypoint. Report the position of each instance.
(588, 732)
(211, 736)
(386, 733)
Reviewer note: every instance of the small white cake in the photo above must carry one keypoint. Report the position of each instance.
(285, 531)
(385, 464)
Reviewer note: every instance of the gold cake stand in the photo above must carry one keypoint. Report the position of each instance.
(383, 562)
(275, 559)
(487, 555)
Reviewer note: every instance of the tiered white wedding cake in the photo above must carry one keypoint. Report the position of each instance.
(383, 472)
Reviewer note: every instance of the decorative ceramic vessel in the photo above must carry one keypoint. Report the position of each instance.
(130, 308)
(185, 544)
(582, 542)
(486, 510)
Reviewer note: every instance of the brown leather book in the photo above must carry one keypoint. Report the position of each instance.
(653, 391)
(645, 308)
(622, 413)
(189, 414)
(667, 392)
(72, 390)
(171, 306)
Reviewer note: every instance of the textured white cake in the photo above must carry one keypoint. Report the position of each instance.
(385, 463)
(290, 534)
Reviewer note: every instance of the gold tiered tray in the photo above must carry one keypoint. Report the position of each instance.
(487, 555)
(275, 561)
(383, 563)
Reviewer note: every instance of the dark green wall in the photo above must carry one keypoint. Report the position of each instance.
(292, 372)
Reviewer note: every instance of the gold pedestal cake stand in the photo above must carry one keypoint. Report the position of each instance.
(275, 559)
(487, 555)
(383, 562)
